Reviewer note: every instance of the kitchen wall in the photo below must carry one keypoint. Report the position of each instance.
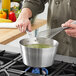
(43, 15)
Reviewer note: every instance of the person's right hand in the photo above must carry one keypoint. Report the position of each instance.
(23, 23)
(72, 30)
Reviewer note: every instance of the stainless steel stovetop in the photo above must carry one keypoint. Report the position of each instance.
(11, 64)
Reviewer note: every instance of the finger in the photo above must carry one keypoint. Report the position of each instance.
(20, 27)
(73, 35)
(71, 31)
(67, 24)
(69, 21)
(17, 25)
(29, 27)
(24, 28)
(68, 34)
(63, 25)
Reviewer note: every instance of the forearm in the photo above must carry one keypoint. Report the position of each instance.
(25, 13)
(36, 6)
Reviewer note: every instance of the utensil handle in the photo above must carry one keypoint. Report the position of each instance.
(65, 28)
(74, 22)
(30, 35)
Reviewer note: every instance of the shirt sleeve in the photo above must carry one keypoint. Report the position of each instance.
(36, 6)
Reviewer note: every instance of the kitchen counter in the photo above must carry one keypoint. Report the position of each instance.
(8, 35)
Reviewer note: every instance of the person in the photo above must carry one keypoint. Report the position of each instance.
(59, 11)
(72, 31)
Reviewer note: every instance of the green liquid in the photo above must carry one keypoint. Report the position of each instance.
(38, 46)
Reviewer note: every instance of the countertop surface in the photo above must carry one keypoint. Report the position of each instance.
(8, 35)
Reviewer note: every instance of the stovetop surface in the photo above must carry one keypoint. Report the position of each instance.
(6, 58)
(12, 64)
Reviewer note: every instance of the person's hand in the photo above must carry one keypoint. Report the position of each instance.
(23, 22)
(72, 30)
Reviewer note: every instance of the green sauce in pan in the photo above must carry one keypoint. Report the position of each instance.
(38, 46)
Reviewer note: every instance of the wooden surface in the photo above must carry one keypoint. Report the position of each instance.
(8, 35)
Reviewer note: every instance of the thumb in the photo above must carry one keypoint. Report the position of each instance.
(63, 25)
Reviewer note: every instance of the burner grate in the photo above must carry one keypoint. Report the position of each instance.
(6, 58)
(71, 67)
(66, 73)
(25, 70)
(68, 70)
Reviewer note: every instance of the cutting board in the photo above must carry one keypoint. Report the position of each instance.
(8, 35)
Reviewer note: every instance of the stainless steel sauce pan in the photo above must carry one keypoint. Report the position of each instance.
(38, 57)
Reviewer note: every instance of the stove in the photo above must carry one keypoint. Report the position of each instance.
(7, 58)
(11, 64)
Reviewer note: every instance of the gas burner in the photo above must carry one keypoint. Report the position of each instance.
(44, 71)
(41, 71)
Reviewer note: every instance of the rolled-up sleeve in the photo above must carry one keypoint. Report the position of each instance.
(36, 6)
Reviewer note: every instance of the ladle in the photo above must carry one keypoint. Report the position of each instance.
(50, 33)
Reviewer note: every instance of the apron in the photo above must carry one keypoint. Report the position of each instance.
(59, 11)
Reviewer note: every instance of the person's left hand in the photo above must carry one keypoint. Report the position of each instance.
(72, 30)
